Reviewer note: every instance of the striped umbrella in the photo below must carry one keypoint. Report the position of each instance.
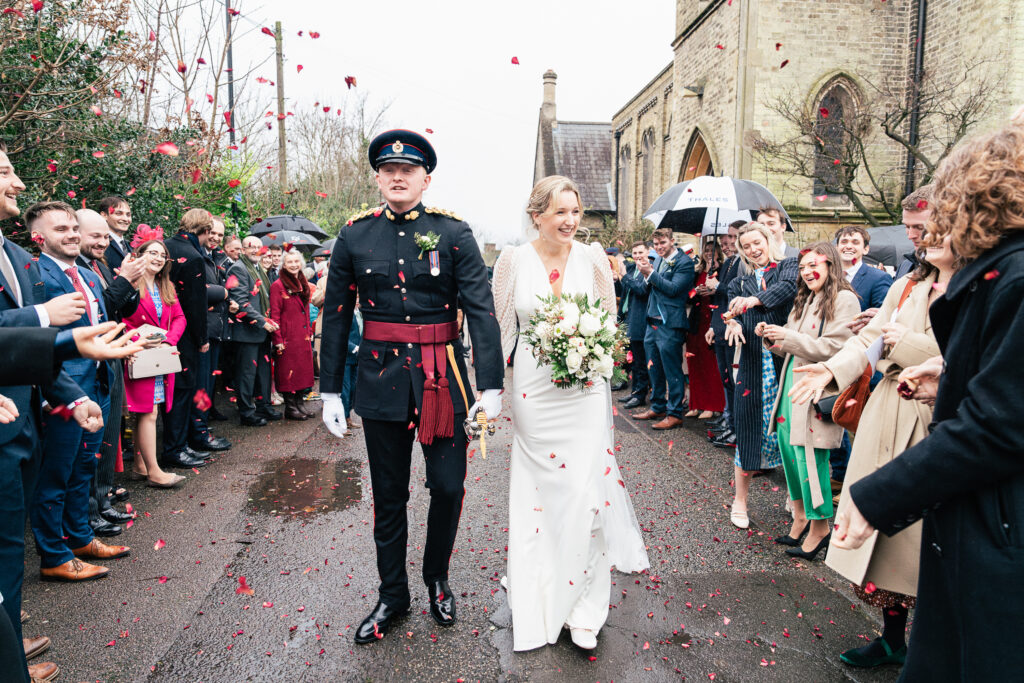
(685, 207)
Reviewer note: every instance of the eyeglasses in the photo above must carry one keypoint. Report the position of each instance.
(156, 254)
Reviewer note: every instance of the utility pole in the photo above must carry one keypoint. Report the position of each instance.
(282, 152)
(231, 74)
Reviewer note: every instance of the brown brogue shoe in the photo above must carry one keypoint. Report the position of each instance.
(43, 672)
(73, 570)
(648, 415)
(670, 422)
(97, 550)
(35, 646)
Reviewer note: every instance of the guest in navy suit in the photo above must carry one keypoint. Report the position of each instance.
(634, 308)
(668, 280)
(118, 215)
(60, 507)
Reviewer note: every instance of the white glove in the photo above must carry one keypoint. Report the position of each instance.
(334, 414)
(490, 403)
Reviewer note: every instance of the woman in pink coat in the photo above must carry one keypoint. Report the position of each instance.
(289, 308)
(158, 306)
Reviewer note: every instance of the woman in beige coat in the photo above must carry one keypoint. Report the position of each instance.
(884, 569)
(817, 328)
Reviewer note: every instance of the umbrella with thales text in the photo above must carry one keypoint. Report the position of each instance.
(700, 205)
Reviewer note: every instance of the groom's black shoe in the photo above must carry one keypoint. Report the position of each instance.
(442, 603)
(375, 626)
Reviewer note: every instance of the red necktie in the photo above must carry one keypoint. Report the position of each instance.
(96, 268)
(72, 273)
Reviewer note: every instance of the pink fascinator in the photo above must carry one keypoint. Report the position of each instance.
(144, 233)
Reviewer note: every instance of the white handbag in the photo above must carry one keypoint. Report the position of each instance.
(163, 360)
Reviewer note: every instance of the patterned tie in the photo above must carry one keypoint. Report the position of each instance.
(72, 273)
(96, 268)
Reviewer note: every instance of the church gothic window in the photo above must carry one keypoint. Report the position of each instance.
(835, 116)
(647, 177)
(698, 159)
(622, 201)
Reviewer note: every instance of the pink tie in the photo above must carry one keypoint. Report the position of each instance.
(73, 274)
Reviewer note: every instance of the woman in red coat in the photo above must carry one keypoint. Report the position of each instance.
(289, 308)
(707, 396)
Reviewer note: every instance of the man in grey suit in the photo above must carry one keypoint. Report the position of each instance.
(250, 333)
(775, 222)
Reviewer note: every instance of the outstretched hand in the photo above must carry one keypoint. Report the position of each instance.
(923, 379)
(100, 342)
(812, 384)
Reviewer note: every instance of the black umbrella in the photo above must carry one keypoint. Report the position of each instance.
(889, 244)
(329, 244)
(684, 207)
(297, 223)
(321, 251)
(292, 237)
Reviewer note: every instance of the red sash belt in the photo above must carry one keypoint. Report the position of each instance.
(437, 414)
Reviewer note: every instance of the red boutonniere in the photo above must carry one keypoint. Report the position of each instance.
(770, 266)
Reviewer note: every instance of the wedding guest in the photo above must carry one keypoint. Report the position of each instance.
(668, 281)
(765, 295)
(815, 331)
(707, 396)
(723, 432)
(634, 310)
(775, 221)
(118, 214)
(969, 590)
(217, 316)
(276, 253)
(158, 307)
(917, 211)
(289, 308)
(232, 250)
(885, 573)
(60, 507)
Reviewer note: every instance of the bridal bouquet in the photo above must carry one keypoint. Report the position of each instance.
(578, 339)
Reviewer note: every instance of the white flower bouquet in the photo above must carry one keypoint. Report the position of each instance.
(579, 340)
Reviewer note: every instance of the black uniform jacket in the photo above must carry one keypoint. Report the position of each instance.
(188, 273)
(376, 257)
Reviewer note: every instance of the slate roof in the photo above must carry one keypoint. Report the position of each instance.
(583, 152)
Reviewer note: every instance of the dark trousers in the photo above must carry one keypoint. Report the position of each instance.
(103, 482)
(641, 378)
(12, 654)
(176, 422)
(252, 377)
(724, 355)
(839, 458)
(198, 430)
(664, 346)
(19, 466)
(389, 450)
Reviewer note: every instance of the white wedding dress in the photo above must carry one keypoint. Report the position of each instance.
(570, 516)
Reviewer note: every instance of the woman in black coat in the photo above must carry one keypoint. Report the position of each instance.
(765, 294)
(966, 479)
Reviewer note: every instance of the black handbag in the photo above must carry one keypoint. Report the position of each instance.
(823, 407)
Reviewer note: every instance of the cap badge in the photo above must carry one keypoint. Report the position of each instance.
(397, 147)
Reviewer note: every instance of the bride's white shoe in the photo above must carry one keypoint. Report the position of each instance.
(583, 637)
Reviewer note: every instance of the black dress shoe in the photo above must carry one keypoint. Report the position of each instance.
(254, 421)
(726, 440)
(799, 552)
(182, 460)
(375, 626)
(216, 415)
(119, 495)
(115, 516)
(623, 399)
(269, 414)
(786, 539)
(105, 528)
(442, 603)
(213, 443)
(634, 402)
(197, 455)
(618, 386)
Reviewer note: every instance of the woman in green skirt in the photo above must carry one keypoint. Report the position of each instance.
(815, 331)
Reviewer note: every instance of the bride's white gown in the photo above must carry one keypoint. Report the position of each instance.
(570, 517)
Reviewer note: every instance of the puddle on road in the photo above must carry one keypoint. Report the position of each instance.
(306, 487)
(681, 638)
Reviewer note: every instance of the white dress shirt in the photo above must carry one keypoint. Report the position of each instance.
(852, 271)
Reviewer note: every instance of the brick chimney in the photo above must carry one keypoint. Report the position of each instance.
(547, 109)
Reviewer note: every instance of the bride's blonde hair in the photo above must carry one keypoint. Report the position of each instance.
(546, 191)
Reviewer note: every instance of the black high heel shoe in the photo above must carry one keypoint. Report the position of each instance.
(794, 542)
(799, 552)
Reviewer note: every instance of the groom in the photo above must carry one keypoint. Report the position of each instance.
(411, 268)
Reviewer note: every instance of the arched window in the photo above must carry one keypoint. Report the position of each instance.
(647, 173)
(622, 201)
(836, 117)
(697, 161)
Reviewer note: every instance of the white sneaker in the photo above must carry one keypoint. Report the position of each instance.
(583, 637)
(276, 399)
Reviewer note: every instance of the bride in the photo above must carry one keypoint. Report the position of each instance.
(570, 517)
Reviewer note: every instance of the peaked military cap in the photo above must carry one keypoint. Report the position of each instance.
(404, 147)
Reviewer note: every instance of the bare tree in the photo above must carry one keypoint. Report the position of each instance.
(858, 152)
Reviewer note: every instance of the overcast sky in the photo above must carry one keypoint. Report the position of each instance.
(447, 66)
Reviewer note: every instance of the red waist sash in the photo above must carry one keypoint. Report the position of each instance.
(437, 414)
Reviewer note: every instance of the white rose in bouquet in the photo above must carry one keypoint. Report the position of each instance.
(603, 365)
(573, 361)
(545, 331)
(570, 317)
(578, 345)
(609, 323)
(589, 325)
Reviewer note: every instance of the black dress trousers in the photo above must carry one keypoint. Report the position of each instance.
(389, 448)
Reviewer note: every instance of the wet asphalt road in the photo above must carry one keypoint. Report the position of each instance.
(289, 509)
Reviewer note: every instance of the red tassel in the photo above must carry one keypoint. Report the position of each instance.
(445, 425)
(428, 412)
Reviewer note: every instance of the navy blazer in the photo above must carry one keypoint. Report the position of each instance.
(669, 291)
(636, 295)
(871, 285)
(114, 256)
(82, 370)
(63, 389)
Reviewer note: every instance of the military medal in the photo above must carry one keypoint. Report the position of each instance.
(435, 263)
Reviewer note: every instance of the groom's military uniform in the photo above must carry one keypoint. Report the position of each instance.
(406, 384)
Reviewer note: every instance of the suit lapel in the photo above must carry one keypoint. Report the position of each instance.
(15, 265)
